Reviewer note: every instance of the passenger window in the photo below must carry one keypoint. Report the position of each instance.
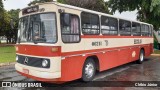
(70, 28)
(150, 31)
(90, 23)
(109, 26)
(145, 30)
(136, 29)
(124, 28)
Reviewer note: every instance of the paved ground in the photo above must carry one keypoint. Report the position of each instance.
(148, 71)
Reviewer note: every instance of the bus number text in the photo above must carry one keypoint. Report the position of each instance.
(97, 43)
(137, 41)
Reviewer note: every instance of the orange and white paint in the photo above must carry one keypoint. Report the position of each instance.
(67, 60)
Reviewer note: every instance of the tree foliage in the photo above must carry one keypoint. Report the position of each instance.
(5, 23)
(2, 15)
(38, 1)
(148, 10)
(14, 15)
(1, 5)
(97, 5)
(13, 25)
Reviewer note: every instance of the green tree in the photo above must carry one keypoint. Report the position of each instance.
(1, 17)
(11, 32)
(38, 1)
(6, 17)
(4, 24)
(97, 5)
(148, 10)
(1, 5)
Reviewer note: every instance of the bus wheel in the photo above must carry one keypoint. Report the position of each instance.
(141, 57)
(89, 70)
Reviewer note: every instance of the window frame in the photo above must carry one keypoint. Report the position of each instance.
(18, 38)
(152, 28)
(145, 30)
(125, 29)
(109, 26)
(91, 24)
(79, 32)
(136, 26)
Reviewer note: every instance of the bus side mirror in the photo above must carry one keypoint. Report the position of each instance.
(61, 10)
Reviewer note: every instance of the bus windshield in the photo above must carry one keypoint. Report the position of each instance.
(39, 28)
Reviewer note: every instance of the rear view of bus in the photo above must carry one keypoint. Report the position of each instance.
(58, 42)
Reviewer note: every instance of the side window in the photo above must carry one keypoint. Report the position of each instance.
(145, 30)
(124, 28)
(150, 30)
(158, 33)
(136, 29)
(109, 26)
(90, 23)
(70, 28)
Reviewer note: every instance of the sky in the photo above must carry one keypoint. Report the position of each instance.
(15, 4)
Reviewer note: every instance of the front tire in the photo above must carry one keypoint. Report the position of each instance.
(141, 57)
(89, 70)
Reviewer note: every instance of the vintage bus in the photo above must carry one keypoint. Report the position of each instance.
(58, 42)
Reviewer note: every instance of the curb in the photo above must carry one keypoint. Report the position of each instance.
(6, 64)
(155, 54)
(3, 45)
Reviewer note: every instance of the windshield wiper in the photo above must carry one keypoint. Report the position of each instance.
(35, 42)
(39, 40)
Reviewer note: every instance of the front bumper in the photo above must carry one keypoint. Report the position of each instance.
(38, 74)
(41, 74)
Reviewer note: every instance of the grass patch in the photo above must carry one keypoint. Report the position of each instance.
(7, 54)
(156, 51)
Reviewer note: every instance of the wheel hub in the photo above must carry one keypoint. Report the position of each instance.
(141, 57)
(89, 70)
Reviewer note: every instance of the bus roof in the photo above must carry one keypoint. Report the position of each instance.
(87, 10)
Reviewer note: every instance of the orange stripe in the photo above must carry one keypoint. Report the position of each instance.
(46, 50)
(98, 36)
(38, 50)
(64, 54)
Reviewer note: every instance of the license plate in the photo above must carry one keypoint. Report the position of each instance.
(26, 71)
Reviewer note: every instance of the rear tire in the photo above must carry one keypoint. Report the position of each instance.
(89, 70)
(141, 57)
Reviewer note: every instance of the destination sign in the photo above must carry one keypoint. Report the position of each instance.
(30, 10)
(137, 41)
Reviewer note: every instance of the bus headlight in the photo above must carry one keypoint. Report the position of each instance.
(45, 63)
(16, 58)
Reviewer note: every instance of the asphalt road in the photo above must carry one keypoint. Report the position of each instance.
(148, 71)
